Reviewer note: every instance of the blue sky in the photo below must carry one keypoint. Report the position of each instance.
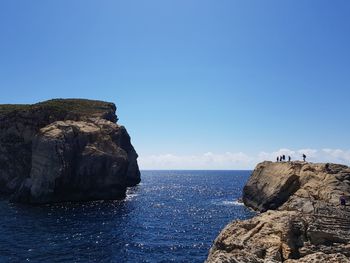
(215, 82)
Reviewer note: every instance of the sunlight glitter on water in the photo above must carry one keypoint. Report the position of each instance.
(173, 216)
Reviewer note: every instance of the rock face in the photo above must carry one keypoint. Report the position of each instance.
(300, 219)
(64, 150)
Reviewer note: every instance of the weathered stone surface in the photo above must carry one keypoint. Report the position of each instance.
(321, 257)
(308, 224)
(272, 236)
(65, 150)
(272, 184)
(263, 192)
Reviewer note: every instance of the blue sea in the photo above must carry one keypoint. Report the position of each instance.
(172, 216)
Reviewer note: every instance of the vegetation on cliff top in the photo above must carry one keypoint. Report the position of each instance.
(78, 106)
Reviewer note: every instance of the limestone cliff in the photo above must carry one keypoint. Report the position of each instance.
(64, 150)
(301, 220)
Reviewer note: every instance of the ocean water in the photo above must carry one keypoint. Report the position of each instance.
(172, 216)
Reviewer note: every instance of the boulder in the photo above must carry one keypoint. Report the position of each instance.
(264, 191)
(270, 237)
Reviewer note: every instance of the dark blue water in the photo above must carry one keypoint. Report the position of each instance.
(172, 216)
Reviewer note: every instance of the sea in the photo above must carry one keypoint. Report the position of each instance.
(171, 216)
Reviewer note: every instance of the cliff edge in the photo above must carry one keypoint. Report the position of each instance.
(300, 220)
(64, 150)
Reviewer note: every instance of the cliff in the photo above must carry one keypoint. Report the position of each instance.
(300, 220)
(64, 150)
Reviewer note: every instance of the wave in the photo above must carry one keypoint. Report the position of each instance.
(230, 203)
(130, 196)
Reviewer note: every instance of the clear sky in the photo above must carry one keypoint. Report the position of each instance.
(198, 83)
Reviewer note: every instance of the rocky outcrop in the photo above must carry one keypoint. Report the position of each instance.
(300, 219)
(64, 150)
(262, 193)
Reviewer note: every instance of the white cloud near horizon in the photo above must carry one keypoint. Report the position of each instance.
(239, 160)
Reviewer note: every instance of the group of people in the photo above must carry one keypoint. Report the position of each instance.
(282, 158)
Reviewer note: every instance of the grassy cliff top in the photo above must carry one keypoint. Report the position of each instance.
(77, 106)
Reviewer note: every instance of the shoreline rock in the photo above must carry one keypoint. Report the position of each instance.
(300, 219)
(65, 150)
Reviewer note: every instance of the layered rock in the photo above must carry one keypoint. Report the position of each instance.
(301, 220)
(64, 150)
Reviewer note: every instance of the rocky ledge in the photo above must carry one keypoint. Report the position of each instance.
(64, 150)
(300, 218)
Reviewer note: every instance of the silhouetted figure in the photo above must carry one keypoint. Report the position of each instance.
(304, 157)
(284, 157)
(342, 200)
(281, 158)
(278, 159)
(289, 159)
(326, 167)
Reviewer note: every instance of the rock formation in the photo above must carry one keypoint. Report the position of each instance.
(64, 150)
(300, 219)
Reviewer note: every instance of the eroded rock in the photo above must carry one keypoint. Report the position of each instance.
(65, 150)
(307, 225)
(263, 192)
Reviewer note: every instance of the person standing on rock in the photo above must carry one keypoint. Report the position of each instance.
(304, 157)
(278, 159)
(342, 200)
(289, 158)
(284, 157)
(326, 167)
